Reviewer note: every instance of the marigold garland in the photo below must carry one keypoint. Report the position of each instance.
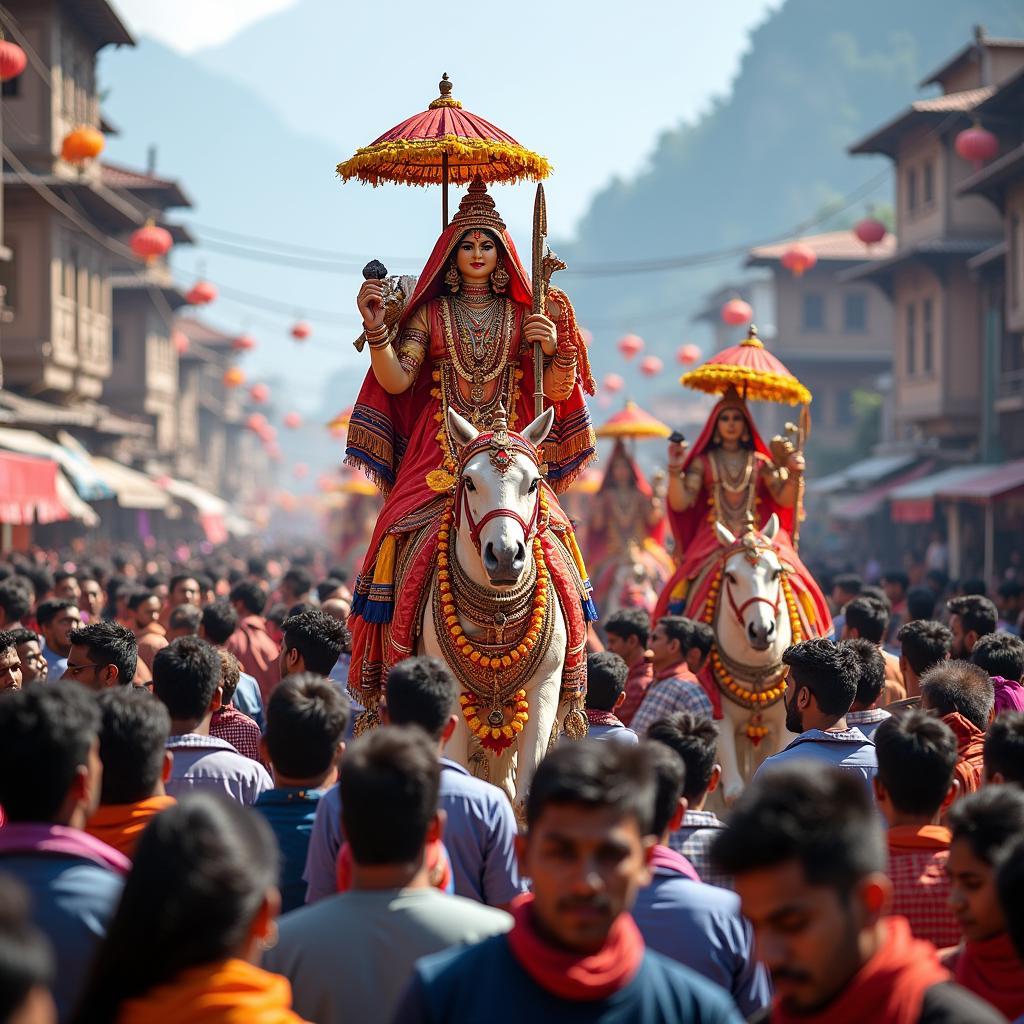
(497, 739)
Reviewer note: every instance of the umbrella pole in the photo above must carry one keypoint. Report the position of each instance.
(444, 191)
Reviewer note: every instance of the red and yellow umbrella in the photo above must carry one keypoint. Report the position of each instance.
(444, 144)
(632, 421)
(752, 370)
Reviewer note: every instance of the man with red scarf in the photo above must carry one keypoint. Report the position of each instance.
(808, 857)
(574, 952)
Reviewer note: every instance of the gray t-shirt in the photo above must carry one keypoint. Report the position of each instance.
(348, 957)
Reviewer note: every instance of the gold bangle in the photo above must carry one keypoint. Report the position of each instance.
(375, 334)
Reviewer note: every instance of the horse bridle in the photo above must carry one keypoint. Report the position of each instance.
(751, 552)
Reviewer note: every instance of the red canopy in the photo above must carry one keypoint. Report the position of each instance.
(28, 490)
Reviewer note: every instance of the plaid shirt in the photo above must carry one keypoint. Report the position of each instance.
(693, 840)
(920, 885)
(238, 729)
(674, 689)
(639, 678)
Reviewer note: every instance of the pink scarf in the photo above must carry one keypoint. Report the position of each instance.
(18, 837)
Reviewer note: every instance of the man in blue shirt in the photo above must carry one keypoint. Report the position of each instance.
(821, 688)
(606, 693)
(50, 776)
(480, 830)
(306, 720)
(57, 620)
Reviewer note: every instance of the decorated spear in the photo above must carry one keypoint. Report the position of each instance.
(540, 231)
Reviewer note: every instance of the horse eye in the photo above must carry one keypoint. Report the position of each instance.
(777, 574)
(729, 576)
(470, 486)
(534, 486)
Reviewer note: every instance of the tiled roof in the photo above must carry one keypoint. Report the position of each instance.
(942, 247)
(831, 245)
(118, 176)
(203, 333)
(966, 51)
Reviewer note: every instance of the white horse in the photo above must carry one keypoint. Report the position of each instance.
(492, 544)
(752, 629)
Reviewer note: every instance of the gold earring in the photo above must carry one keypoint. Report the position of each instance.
(499, 278)
(452, 277)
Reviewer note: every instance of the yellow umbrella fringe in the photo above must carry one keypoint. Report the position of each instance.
(761, 386)
(634, 430)
(418, 162)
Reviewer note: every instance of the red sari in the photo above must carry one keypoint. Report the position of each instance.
(401, 443)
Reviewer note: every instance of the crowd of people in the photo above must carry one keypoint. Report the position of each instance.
(191, 828)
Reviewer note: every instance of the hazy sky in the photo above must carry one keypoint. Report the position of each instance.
(189, 25)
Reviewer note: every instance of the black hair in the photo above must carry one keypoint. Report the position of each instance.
(62, 574)
(897, 576)
(961, 687)
(1004, 747)
(1010, 885)
(205, 581)
(606, 680)
(276, 613)
(49, 610)
(1000, 654)
(695, 739)
(878, 594)
(219, 620)
(26, 958)
(670, 784)
(327, 587)
(15, 597)
(256, 566)
(154, 580)
(939, 577)
(186, 674)
(185, 616)
(421, 691)
(824, 820)
(976, 613)
(703, 638)
(9, 638)
(201, 872)
(139, 596)
(298, 579)
(870, 671)
(40, 578)
(868, 616)
(829, 670)
(306, 720)
(917, 755)
(1010, 588)
(680, 629)
(180, 577)
(849, 582)
(47, 733)
(973, 586)
(988, 820)
(629, 622)
(134, 727)
(924, 643)
(596, 775)
(250, 595)
(317, 636)
(395, 768)
(920, 603)
(110, 643)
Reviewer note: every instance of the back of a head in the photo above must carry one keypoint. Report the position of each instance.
(917, 755)
(1000, 654)
(47, 732)
(977, 613)
(396, 768)
(134, 728)
(694, 738)
(848, 582)
(200, 874)
(870, 671)
(924, 643)
(973, 586)
(829, 670)
(629, 622)
(869, 616)
(920, 603)
(186, 674)
(317, 636)
(421, 691)
(670, 780)
(596, 776)
(877, 593)
(1010, 886)
(256, 566)
(185, 619)
(219, 620)
(896, 577)
(960, 687)
(299, 580)
(822, 820)
(250, 595)
(606, 680)
(306, 720)
(26, 959)
(1004, 748)
(989, 820)
(110, 643)
(325, 588)
(15, 597)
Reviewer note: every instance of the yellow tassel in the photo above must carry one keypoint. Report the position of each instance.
(574, 550)
(679, 590)
(384, 570)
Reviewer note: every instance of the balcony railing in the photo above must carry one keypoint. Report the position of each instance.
(1011, 384)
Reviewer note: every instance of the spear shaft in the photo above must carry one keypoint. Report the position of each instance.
(540, 231)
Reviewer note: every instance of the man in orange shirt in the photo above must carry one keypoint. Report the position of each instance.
(250, 643)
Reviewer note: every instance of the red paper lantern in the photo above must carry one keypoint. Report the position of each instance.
(799, 258)
(300, 471)
(977, 144)
(870, 231)
(12, 60)
(201, 293)
(651, 366)
(293, 421)
(233, 378)
(256, 422)
(269, 434)
(259, 393)
(301, 331)
(150, 241)
(244, 343)
(630, 344)
(688, 354)
(325, 482)
(736, 312)
(273, 451)
(82, 144)
(179, 339)
(612, 382)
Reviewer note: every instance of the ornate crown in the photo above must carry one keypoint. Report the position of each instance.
(477, 210)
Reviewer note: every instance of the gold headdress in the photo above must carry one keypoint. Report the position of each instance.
(477, 210)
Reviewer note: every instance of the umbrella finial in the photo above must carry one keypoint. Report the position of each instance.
(752, 340)
(445, 99)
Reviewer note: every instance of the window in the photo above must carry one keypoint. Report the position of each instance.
(115, 344)
(927, 318)
(10, 88)
(911, 190)
(855, 313)
(814, 311)
(910, 340)
(928, 183)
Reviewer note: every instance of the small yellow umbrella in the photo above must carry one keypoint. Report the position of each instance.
(632, 421)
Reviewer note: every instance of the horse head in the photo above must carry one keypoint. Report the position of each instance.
(498, 493)
(752, 582)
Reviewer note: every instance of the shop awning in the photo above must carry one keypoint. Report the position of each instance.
(861, 474)
(28, 490)
(77, 467)
(867, 503)
(989, 482)
(212, 510)
(131, 488)
(915, 502)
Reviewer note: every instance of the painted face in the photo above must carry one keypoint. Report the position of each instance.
(972, 893)
(10, 670)
(33, 664)
(731, 424)
(476, 256)
(586, 865)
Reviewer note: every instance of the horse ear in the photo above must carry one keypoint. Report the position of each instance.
(536, 431)
(771, 528)
(725, 536)
(462, 431)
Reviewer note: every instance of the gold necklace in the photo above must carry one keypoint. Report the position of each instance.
(482, 372)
